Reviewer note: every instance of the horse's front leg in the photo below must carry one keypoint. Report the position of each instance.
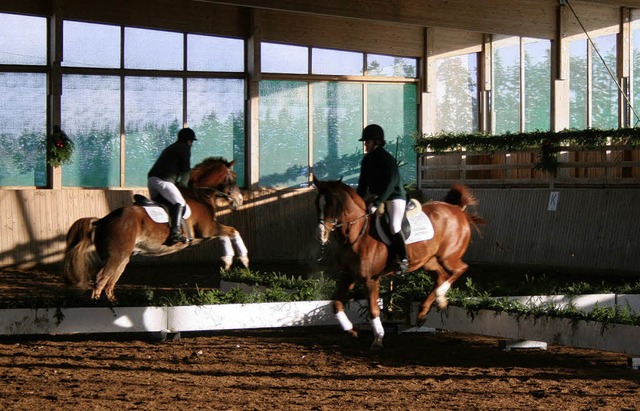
(227, 252)
(373, 289)
(243, 253)
(342, 291)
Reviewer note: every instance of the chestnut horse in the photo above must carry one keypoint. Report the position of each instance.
(98, 250)
(363, 256)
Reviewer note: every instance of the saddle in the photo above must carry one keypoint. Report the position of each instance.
(416, 226)
(158, 210)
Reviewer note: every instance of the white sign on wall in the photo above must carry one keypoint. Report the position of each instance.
(553, 201)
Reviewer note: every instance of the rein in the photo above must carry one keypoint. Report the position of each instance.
(338, 224)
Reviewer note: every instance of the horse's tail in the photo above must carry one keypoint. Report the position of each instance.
(81, 261)
(462, 197)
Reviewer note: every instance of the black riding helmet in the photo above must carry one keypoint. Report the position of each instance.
(186, 134)
(372, 132)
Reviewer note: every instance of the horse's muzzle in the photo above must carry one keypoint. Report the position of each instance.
(236, 200)
(322, 233)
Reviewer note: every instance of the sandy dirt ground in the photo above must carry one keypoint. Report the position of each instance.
(318, 368)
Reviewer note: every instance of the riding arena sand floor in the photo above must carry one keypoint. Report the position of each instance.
(313, 368)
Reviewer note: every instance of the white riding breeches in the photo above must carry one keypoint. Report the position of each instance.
(396, 209)
(166, 189)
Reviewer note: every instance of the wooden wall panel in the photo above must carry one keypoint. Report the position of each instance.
(591, 230)
(275, 225)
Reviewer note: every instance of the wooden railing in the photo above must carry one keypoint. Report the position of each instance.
(613, 165)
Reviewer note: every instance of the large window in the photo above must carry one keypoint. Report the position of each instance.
(117, 115)
(308, 123)
(23, 100)
(594, 93)
(457, 94)
(521, 84)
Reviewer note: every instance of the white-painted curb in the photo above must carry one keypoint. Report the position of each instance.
(183, 318)
(593, 335)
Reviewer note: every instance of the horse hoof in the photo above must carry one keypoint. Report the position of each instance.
(353, 333)
(227, 260)
(244, 260)
(377, 344)
(443, 303)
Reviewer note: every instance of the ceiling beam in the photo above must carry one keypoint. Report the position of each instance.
(532, 18)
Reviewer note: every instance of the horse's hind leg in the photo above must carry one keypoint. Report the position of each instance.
(108, 277)
(445, 279)
(442, 276)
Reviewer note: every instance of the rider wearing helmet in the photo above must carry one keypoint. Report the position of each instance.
(379, 183)
(172, 168)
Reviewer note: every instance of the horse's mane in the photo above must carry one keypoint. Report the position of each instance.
(206, 164)
(345, 191)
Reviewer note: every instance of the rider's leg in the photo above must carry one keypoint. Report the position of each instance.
(171, 193)
(396, 209)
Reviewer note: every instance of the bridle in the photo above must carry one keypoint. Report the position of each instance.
(209, 192)
(336, 223)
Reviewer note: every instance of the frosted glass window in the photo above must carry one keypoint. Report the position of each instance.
(23, 117)
(153, 117)
(578, 84)
(215, 110)
(91, 45)
(208, 53)
(457, 94)
(506, 85)
(604, 88)
(378, 65)
(283, 58)
(636, 77)
(284, 133)
(337, 126)
(91, 118)
(23, 39)
(537, 82)
(394, 107)
(153, 49)
(335, 62)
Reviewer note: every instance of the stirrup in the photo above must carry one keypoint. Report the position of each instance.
(177, 238)
(402, 266)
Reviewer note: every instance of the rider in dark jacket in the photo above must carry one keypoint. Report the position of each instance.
(379, 183)
(171, 168)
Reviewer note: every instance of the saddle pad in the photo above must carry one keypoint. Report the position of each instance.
(157, 213)
(421, 228)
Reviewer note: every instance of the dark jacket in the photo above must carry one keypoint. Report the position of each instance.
(379, 178)
(174, 164)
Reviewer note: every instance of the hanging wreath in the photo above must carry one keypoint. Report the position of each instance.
(59, 148)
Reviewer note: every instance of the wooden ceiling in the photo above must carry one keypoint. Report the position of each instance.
(534, 18)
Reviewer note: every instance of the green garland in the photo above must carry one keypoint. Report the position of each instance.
(59, 148)
(548, 142)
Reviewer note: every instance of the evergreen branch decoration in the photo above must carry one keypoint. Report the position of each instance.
(59, 148)
(548, 142)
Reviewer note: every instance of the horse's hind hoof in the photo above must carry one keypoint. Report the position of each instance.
(353, 333)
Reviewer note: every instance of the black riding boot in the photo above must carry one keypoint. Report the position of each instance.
(400, 251)
(175, 220)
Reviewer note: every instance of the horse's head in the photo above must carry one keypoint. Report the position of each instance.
(216, 174)
(337, 204)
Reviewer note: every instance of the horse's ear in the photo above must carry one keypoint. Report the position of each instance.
(231, 163)
(340, 179)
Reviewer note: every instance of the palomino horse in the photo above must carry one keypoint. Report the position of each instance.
(98, 250)
(364, 257)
